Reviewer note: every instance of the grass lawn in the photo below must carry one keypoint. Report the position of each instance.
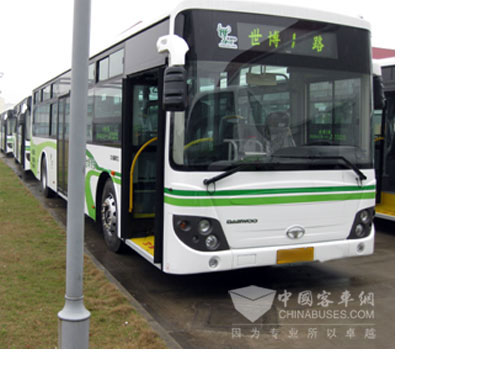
(32, 281)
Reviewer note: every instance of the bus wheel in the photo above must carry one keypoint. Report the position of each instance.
(47, 192)
(109, 218)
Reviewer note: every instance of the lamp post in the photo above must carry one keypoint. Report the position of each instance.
(74, 318)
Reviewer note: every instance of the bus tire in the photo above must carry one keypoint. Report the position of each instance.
(109, 218)
(47, 192)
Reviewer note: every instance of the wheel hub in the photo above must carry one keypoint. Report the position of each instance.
(109, 214)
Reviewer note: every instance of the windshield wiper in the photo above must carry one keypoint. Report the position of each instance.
(347, 162)
(238, 167)
(231, 170)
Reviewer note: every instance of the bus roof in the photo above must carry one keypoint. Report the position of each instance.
(269, 9)
(226, 5)
(240, 6)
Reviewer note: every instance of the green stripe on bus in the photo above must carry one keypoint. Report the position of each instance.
(96, 171)
(88, 194)
(255, 201)
(36, 151)
(44, 144)
(97, 167)
(255, 192)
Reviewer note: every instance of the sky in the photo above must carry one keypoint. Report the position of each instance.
(36, 35)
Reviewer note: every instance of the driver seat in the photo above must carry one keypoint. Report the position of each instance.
(278, 131)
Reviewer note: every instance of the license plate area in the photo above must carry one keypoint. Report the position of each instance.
(294, 255)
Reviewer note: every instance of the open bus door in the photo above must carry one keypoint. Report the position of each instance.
(3, 136)
(62, 110)
(384, 130)
(142, 143)
(19, 142)
(384, 127)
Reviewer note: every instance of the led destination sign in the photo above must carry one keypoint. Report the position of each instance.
(245, 38)
(290, 40)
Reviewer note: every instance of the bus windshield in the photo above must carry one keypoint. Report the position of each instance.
(277, 106)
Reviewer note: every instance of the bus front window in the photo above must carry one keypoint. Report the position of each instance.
(267, 105)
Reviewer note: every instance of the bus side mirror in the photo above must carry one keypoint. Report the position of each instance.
(175, 77)
(378, 93)
(175, 89)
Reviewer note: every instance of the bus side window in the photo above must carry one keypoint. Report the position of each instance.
(107, 113)
(41, 120)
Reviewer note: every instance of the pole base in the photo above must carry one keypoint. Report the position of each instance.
(73, 325)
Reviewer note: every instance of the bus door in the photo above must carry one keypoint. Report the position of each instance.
(384, 127)
(19, 140)
(22, 135)
(139, 145)
(63, 110)
(388, 173)
(379, 136)
(3, 136)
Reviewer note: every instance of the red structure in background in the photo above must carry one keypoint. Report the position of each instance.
(379, 53)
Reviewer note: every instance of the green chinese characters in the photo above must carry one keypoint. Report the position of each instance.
(255, 37)
(318, 43)
(273, 38)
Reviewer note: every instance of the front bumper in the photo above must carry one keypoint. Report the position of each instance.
(198, 262)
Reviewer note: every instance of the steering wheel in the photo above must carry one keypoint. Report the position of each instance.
(232, 116)
(197, 141)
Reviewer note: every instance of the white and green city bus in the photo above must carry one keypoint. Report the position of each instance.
(22, 133)
(225, 135)
(7, 124)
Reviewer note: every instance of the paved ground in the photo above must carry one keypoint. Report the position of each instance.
(347, 303)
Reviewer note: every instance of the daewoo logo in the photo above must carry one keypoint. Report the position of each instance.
(242, 221)
(295, 232)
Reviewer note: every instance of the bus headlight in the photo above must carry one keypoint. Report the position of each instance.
(211, 242)
(200, 233)
(364, 216)
(362, 225)
(204, 226)
(359, 229)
